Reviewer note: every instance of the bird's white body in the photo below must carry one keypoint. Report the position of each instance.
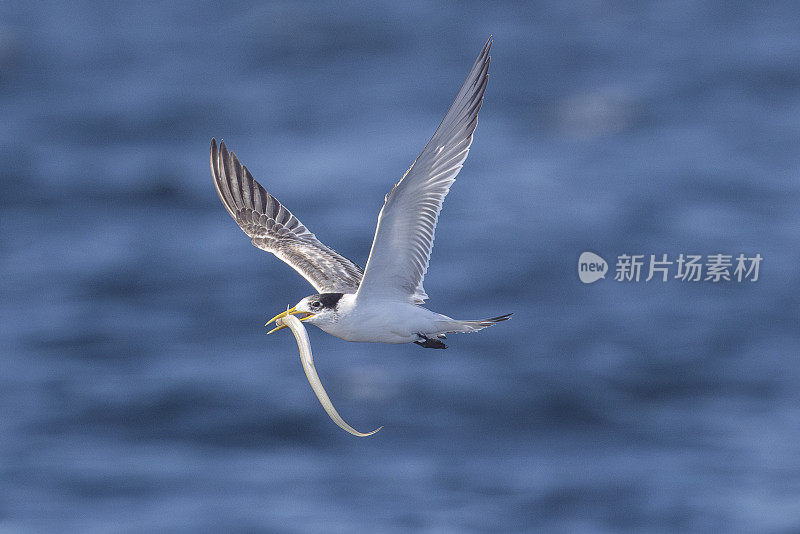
(378, 321)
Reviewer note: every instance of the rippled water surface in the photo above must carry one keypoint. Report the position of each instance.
(139, 393)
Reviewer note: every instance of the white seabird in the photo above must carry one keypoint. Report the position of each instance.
(381, 303)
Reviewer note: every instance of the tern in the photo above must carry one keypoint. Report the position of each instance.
(383, 302)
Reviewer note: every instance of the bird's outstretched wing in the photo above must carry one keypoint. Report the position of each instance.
(273, 228)
(403, 239)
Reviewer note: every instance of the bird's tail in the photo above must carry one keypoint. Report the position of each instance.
(453, 326)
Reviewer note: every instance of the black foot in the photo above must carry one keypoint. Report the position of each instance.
(429, 343)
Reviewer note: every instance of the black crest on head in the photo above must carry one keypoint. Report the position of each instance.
(329, 300)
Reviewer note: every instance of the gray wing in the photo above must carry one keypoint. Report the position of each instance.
(403, 239)
(273, 228)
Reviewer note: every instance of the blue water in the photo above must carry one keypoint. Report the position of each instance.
(138, 392)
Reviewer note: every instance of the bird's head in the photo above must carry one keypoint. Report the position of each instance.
(315, 309)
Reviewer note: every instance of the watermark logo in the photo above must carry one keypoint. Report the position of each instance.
(713, 268)
(591, 267)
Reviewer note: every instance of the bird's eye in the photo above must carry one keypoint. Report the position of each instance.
(315, 305)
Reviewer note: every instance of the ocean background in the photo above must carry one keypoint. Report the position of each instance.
(138, 392)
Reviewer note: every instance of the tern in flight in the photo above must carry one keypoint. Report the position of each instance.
(383, 302)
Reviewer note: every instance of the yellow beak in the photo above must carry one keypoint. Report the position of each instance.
(290, 311)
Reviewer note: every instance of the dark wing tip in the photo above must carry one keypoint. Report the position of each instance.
(225, 178)
(461, 119)
(245, 199)
(484, 56)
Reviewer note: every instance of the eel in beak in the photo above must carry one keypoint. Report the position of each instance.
(291, 321)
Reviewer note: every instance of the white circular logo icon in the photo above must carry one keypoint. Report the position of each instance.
(591, 267)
